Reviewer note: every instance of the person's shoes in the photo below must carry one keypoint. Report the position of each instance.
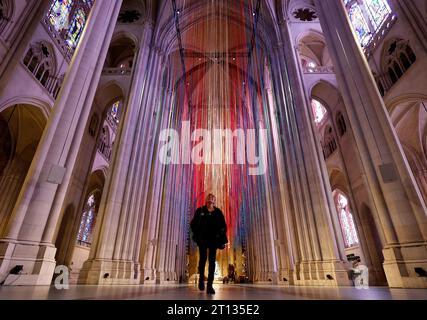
(201, 285)
(210, 290)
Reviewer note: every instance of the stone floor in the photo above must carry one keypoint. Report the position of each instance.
(224, 292)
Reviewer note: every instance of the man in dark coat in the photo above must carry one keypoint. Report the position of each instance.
(209, 232)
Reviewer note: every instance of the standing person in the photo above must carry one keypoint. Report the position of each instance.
(210, 233)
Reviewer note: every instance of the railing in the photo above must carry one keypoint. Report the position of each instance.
(380, 35)
(319, 70)
(84, 243)
(117, 71)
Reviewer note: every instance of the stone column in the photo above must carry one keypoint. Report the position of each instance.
(402, 211)
(147, 238)
(122, 215)
(160, 199)
(317, 249)
(283, 242)
(29, 233)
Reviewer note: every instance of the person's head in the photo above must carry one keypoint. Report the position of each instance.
(210, 200)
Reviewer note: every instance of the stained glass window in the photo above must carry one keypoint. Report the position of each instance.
(76, 28)
(59, 14)
(68, 18)
(319, 111)
(115, 111)
(348, 227)
(367, 17)
(88, 221)
(360, 24)
(378, 11)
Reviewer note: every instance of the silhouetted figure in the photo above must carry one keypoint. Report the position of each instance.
(209, 232)
(232, 273)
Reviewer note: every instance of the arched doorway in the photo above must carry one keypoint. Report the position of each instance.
(21, 128)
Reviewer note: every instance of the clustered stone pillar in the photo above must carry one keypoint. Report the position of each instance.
(168, 223)
(154, 176)
(28, 239)
(125, 233)
(315, 249)
(400, 207)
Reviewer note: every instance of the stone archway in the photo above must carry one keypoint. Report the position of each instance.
(22, 128)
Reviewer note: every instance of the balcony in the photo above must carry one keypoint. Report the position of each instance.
(117, 71)
(319, 70)
(379, 36)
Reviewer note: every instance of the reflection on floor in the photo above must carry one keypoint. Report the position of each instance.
(224, 292)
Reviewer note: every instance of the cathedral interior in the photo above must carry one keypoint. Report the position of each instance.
(307, 119)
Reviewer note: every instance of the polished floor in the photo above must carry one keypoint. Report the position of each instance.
(224, 292)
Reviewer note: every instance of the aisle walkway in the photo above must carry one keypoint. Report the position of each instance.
(224, 292)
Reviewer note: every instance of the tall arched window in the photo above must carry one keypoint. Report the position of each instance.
(345, 216)
(66, 20)
(59, 14)
(378, 11)
(360, 24)
(76, 29)
(319, 111)
(115, 111)
(367, 17)
(109, 130)
(87, 222)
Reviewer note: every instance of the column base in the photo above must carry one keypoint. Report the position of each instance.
(37, 262)
(267, 277)
(148, 276)
(405, 266)
(109, 272)
(322, 273)
(166, 277)
(286, 277)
